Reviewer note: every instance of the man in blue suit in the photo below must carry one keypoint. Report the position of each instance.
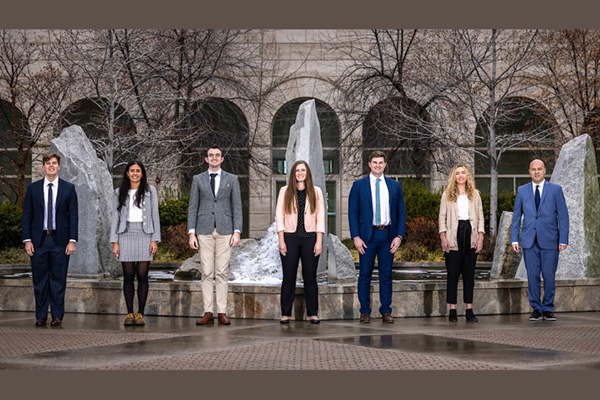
(49, 224)
(377, 218)
(545, 232)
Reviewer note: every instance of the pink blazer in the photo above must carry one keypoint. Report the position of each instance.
(313, 221)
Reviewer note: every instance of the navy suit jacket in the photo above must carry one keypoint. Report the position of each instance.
(32, 220)
(549, 223)
(360, 209)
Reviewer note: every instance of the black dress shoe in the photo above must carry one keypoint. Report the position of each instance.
(470, 316)
(549, 316)
(284, 321)
(315, 321)
(56, 322)
(535, 316)
(40, 322)
(452, 316)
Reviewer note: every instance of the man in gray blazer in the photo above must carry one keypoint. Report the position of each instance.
(214, 226)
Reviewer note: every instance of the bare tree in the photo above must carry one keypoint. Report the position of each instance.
(36, 89)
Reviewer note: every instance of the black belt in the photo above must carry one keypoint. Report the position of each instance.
(50, 232)
(380, 227)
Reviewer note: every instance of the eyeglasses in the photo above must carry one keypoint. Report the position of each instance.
(213, 156)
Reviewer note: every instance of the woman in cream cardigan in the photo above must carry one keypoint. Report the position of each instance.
(461, 227)
(300, 222)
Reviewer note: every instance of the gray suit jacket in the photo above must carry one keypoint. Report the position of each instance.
(205, 212)
(151, 220)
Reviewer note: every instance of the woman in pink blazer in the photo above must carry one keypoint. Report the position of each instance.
(300, 221)
(461, 227)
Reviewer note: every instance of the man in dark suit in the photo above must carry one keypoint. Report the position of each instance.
(214, 227)
(545, 232)
(49, 224)
(377, 217)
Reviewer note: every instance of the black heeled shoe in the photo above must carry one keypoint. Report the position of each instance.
(470, 316)
(452, 317)
(285, 321)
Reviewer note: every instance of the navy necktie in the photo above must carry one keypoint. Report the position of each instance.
(49, 223)
(212, 183)
(537, 196)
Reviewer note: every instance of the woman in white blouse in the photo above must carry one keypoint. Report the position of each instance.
(134, 234)
(461, 227)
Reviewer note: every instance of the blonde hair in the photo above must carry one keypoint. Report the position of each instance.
(452, 188)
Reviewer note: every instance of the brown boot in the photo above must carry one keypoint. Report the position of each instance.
(206, 320)
(223, 320)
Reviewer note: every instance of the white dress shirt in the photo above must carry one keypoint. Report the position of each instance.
(384, 198)
(54, 193)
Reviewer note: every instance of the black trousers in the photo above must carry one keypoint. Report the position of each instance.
(461, 261)
(49, 265)
(299, 248)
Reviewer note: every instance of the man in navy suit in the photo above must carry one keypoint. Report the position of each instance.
(545, 232)
(377, 218)
(49, 224)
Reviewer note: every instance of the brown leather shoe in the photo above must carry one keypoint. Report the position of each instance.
(387, 318)
(223, 320)
(365, 318)
(206, 320)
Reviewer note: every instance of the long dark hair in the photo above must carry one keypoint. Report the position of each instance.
(126, 185)
(291, 196)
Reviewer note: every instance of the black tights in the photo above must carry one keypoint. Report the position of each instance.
(129, 271)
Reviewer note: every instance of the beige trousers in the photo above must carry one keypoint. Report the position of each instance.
(215, 252)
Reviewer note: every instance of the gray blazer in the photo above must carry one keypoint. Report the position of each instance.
(205, 212)
(150, 217)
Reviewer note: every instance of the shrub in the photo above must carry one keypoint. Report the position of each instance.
(420, 201)
(411, 251)
(506, 202)
(174, 245)
(424, 231)
(14, 255)
(173, 210)
(10, 228)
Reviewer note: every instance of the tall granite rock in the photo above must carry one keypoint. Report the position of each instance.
(81, 166)
(304, 143)
(506, 260)
(576, 172)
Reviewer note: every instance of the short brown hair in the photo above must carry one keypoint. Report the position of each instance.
(375, 154)
(49, 156)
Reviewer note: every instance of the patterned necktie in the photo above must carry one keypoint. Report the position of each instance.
(377, 201)
(537, 196)
(49, 224)
(212, 183)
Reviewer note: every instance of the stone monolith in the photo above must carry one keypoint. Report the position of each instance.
(94, 186)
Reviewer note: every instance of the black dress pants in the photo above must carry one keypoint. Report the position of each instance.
(299, 248)
(461, 261)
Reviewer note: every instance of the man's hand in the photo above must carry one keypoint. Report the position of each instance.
(395, 244)
(360, 245)
(235, 239)
(70, 248)
(29, 248)
(193, 241)
(562, 247)
(515, 247)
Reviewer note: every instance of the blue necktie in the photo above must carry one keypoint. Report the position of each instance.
(377, 201)
(537, 196)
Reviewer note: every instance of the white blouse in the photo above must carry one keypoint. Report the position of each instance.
(135, 213)
(462, 201)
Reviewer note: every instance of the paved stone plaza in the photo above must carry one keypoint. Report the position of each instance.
(497, 342)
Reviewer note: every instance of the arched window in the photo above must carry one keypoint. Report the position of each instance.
(13, 131)
(283, 120)
(92, 115)
(524, 130)
(400, 128)
(218, 121)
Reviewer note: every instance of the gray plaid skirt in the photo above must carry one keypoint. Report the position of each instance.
(134, 244)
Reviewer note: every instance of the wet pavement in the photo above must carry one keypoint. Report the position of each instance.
(497, 342)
